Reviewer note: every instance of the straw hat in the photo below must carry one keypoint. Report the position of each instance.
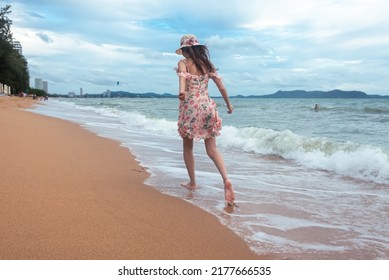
(187, 40)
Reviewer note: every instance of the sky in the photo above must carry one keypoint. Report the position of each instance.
(258, 46)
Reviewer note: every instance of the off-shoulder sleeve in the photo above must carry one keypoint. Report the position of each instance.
(186, 75)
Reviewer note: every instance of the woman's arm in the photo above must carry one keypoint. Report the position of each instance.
(224, 93)
(181, 80)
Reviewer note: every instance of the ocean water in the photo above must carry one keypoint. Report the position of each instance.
(309, 184)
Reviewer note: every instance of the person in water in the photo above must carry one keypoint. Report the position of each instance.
(198, 116)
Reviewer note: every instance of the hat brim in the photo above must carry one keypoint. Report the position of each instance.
(179, 50)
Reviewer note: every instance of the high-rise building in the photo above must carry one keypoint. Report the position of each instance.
(38, 83)
(46, 86)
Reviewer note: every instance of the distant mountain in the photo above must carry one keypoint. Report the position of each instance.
(279, 94)
(336, 93)
(318, 94)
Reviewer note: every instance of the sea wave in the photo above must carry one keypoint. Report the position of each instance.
(359, 161)
(349, 159)
(374, 110)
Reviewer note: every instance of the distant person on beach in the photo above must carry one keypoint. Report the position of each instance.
(198, 117)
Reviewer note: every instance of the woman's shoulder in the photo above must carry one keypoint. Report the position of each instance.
(183, 61)
(182, 64)
(182, 69)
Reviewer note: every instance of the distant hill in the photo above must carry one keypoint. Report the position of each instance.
(318, 94)
(279, 94)
(336, 93)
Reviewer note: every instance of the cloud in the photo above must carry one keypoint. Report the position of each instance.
(44, 37)
(259, 46)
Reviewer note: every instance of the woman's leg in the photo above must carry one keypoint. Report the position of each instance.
(189, 162)
(215, 155)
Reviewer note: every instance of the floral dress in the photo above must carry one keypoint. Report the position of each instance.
(198, 117)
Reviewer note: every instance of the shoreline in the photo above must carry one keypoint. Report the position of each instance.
(67, 193)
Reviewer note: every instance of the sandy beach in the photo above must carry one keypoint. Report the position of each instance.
(66, 193)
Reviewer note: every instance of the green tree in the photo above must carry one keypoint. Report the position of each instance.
(5, 24)
(37, 92)
(13, 65)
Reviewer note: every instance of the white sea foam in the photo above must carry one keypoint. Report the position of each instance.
(348, 159)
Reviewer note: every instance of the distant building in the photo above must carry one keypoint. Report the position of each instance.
(71, 94)
(81, 92)
(107, 93)
(45, 86)
(38, 83)
(17, 46)
(4, 89)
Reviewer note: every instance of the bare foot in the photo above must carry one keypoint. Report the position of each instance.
(189, 185)
(229, 193)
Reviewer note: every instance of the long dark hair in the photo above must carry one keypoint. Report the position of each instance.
(201, 58)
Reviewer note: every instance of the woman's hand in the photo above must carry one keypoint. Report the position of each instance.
(181, 96)
(230, 108)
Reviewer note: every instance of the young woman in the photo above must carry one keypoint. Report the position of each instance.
(198, 117)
